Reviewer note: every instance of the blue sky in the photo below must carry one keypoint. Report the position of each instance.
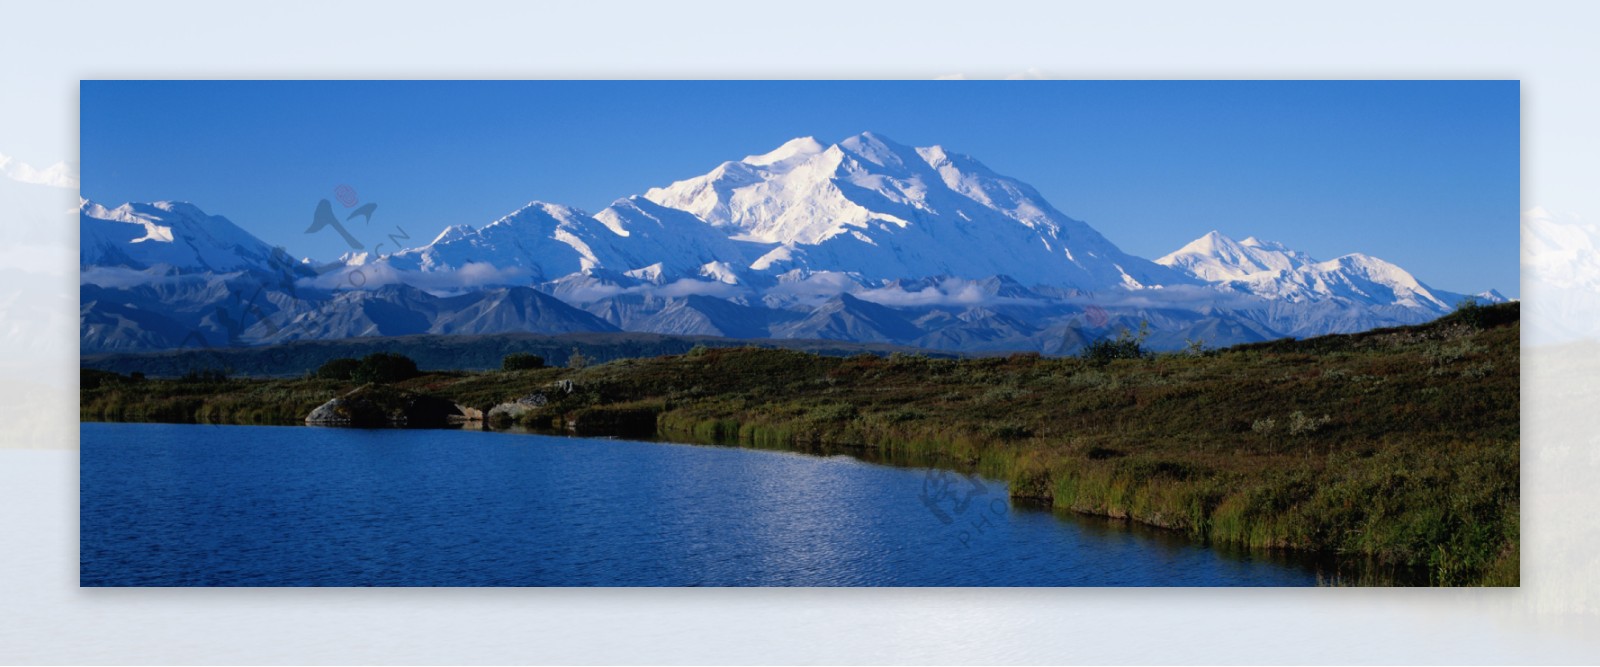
(1423, 174)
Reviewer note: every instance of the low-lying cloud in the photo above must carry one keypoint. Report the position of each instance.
(947, 292)
(472, 275)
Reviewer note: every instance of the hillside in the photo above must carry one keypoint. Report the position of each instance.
(443, 352)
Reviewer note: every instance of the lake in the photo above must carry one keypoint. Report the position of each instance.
(194, 505)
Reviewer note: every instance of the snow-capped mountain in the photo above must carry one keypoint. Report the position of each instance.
(874, 208)
(866, 206)
(1272, 271)
(864, 240)
(1217, 258)
(544, 242)
(173, 234)
(541, 240)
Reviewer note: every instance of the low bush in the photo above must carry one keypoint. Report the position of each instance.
(343, 368)
(384, 368)
(521, 361)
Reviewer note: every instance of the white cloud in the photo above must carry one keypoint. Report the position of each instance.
(378, 274)
(948, 292)
(691, 287)
(58, 175)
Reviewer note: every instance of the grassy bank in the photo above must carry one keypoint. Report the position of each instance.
(1394, 447)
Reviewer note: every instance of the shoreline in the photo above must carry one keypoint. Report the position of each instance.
(1398, 447)
(1326, 567)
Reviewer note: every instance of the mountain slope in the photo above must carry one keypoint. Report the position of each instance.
(401, 310)
(540, 241)
(873, 207)
(845, 317)
(1277, 273)
(175, 234)
(864, 239)
(1217, 258)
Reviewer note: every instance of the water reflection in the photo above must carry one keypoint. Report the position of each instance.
(292, 506)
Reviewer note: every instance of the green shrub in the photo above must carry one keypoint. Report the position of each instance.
(521, 361)
(1127, 345)
(834, 412)
(384, 367)
(89, 378)
(1003, 393)
(904, 414)
(342, 368)
(1471, 313)
(1007, 431)
(1300, 424)
(204, 375)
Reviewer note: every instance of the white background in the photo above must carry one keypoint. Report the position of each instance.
(46, 49)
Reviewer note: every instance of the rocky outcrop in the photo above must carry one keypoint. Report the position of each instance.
(468, 414)
(511, 412)
(380, 406)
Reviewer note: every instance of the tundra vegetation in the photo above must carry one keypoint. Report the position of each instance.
(1393, 450)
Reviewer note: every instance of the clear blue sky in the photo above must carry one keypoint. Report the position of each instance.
(1424, 174)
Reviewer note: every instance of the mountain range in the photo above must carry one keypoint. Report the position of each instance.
(862, 240)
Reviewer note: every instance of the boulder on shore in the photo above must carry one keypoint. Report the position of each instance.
(468, 414)
(379, 406)
(508, 413)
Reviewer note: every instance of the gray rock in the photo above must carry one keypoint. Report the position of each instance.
(379, 406)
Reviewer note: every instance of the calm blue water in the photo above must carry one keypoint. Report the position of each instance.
(185, 505)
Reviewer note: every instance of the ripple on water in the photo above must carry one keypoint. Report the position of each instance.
(188, 505)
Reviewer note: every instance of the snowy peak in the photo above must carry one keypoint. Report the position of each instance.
(539, 241)
(453, 233)
(542, 242)
(1491, 296)
(871, 206)
(1215, 257)
(174, 234)
(1012, 197)
(1275, 271)
(883, 152)
(1366, 277)
(543, 215)
(791, 152)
